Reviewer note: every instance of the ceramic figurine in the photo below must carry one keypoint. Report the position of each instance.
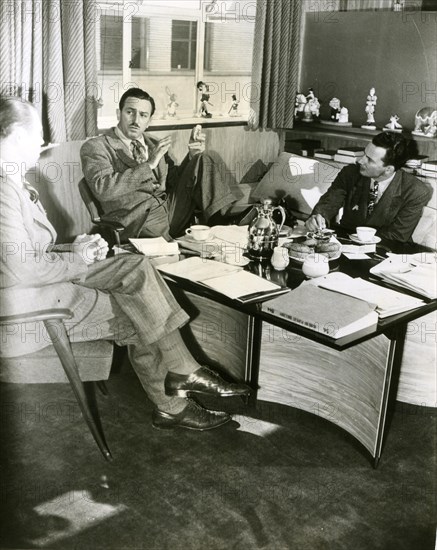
(204, 100)
(172, 105)
(299, 104)
(311, 108)
(233, 111)
(393, 125)
(334, 104)
(343, 116)
(426, 122)
(370, 110)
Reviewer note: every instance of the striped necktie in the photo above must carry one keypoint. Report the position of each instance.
(373, 197)
(33, 193)
(138, 151)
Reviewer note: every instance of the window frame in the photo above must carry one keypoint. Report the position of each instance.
(128, 10)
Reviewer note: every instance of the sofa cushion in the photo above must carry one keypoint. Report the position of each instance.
(299, 180)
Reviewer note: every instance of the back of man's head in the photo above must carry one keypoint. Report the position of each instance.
(14, 112)
(139, 94)
(396, 148)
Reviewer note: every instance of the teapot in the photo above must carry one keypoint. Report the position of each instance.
(264, 231)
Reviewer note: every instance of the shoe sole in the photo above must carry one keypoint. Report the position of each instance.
(188, 393)
(171, 426)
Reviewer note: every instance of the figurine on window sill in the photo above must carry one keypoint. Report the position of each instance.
(233, 111)
(204, 100)
(311, 108)
(172, 105)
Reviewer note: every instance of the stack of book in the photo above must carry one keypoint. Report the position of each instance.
(326, 154)
(349, 155)
(428, 169)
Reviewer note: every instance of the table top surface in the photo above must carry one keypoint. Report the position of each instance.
(293, 276)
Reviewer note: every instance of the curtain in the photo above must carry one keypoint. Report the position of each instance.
(48, 57)
(275, 67)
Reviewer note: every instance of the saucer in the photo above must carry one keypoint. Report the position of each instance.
(355, 239)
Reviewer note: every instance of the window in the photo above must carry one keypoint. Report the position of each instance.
(111, 42)
(183, 44)
(139, 46)
(167, 46)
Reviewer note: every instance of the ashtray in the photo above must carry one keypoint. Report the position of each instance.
(322, 235)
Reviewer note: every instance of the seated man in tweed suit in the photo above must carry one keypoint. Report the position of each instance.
(122, 299)
(138, 184)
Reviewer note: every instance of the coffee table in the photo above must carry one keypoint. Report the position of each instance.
(348, 381)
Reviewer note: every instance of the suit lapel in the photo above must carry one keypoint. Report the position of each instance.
(120, 150)
(34, 210)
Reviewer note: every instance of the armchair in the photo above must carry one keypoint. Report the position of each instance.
(62, 362)
(94, 209)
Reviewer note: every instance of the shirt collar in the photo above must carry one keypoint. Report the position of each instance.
(126, 141)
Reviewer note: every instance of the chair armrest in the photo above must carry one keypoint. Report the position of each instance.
(115, 226)
(39, 315)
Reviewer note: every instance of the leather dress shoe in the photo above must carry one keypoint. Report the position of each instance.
(203, 381)
(193, 417)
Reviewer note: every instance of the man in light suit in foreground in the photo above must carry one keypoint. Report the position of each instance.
(121, 299)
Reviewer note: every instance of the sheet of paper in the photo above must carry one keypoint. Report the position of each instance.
(157, 246)
(198, 269)
(239, 284)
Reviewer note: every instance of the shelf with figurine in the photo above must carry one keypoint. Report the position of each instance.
(339, 115)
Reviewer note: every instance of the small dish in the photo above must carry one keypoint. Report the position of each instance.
(355, 239)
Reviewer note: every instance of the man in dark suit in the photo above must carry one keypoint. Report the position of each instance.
(121, 299)
(375, 192)
(138, 184)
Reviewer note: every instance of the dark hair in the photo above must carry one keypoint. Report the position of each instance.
(396, 148)
(139, 94)
(201, 83)
(14, 111)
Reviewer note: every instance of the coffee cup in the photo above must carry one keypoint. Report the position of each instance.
(366, 234)
(199, 232)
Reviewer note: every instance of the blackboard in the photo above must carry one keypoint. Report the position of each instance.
(347, 53)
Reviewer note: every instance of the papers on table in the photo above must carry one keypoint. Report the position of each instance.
(415, 272)
(230, 280)
(157, 246)
(388, 302)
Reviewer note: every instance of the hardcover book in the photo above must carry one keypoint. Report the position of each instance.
(334, 315)
(351, 151)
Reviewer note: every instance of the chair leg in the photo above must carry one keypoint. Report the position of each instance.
(102, 387)
(58, 335)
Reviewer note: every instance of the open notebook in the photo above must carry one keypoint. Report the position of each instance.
(230, 280)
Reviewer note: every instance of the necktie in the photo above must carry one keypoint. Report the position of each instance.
(373, 197)
(138, 151)
(33, 193)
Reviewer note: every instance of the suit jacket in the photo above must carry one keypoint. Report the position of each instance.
(121, 185)
(32, 274)
(395, 215)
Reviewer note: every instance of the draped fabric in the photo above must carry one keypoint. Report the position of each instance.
(275, 67)
(48, 56)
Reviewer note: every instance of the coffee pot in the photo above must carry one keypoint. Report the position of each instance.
(264, 231)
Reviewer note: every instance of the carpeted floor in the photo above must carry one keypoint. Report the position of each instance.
(276, 478)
